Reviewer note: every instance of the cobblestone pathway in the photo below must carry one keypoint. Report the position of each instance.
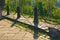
(15, 33)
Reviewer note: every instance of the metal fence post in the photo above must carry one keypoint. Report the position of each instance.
(7, 10)
(35, 17)
(18, 12)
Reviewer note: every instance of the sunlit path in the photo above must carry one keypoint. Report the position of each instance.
(15, 33)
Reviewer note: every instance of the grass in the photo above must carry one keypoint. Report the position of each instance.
(54, 20)
(27, 8)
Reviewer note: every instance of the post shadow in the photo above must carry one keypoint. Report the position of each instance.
(31, 27)
(54, 34)
(14, 22)
(18, 16)
(35, 23)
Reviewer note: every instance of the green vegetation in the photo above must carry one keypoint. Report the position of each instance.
(26, 8)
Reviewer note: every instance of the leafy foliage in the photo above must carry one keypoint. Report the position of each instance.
(26, 7)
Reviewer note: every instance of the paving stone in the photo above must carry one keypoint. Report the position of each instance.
(42, 38)
(20, 35)
(13, 32)
(1, 35)
(28, 36)
(8, 36)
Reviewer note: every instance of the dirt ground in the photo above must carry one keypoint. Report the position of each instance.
(15, 33)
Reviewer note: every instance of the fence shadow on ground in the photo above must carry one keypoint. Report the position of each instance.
(36, 32)
(14, 22)
(53, 33)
